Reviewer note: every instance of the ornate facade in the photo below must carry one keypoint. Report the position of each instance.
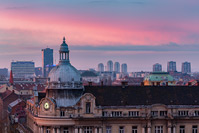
(69, 107)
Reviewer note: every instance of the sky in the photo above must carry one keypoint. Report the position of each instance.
(137, 32)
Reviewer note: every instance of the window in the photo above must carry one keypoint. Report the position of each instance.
(163, 113)
(183, 113)
(88, 108)
(182, 129)
(121, 129)
(134, 129)
(62, 113)
(194, 129)
(196, 113)
(108, 129)
(154, 113)
(133, 113)
(88, 130)
(105, 113)
(158, 129)
(47, 130)
(116, 113)
(65, 130)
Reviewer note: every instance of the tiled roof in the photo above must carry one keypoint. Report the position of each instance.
(28, 86)
(89, 74)
(144, 95)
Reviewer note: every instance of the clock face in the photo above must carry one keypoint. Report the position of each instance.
(46, 105)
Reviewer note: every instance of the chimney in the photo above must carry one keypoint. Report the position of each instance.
(35, 94)
(189, 83)
(11, 78)
(90, 83)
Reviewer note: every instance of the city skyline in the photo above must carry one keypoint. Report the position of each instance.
(139, 36)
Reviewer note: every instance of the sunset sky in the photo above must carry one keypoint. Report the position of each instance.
(137, 32)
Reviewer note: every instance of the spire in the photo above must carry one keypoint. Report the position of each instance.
(11, 78)
(64, 39)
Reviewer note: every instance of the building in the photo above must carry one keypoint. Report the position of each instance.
(117, 67)
(3, 73)
(47, 59)
(23, 69)
(100, 67)
(110, 66)
(186, 67)
(171, 66)
(124, 68)
(69, 107)
(38, 71)
(90, 77)
(157, 67)
(49, 68)
(159, 79)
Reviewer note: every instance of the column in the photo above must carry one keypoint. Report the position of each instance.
(100, 130)
(80, 130)
(174, 129)
(169, 129)
(53, 129)
(143, 129)
(58, 130)
(76, 130)
(148, 129)
(96, 130)
(39, 129)
(42, 129)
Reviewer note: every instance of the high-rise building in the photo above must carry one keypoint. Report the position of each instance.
(110, 66)
(186, 67)
(117, 67)
(124, 68)
(23, 69)
(157, 67)
(171, 66)
(101, 67)
(47, 59)
(4, 72)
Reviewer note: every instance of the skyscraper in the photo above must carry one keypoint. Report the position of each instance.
(157, 67)
(171, 66)
(101, 67)
(117, 67)
(186, 67)
(47, 59)
(124, 68)
(110, 66)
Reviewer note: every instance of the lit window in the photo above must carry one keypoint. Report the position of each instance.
(183, 113)
(88, 107)
(158, 129)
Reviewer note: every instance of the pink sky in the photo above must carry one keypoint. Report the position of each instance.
(39, 24)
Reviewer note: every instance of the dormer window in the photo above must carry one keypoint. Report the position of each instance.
(88, 108)
(62, 113)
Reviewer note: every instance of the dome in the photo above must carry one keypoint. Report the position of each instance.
(64, 73)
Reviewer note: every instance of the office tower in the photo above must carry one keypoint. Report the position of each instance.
(110, 66)
(47, 59)
(124, 68)
(4, 72)
(117, 67)
(186, 67)
(101, 67)
(23, 69)
(171, 66)
(157, 67)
